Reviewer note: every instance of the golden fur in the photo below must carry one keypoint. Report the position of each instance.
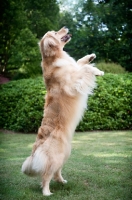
(68, 85)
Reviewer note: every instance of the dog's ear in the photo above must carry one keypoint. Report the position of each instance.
(48, 46)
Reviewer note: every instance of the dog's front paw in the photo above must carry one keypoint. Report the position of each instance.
(100, 73)
(92, 57)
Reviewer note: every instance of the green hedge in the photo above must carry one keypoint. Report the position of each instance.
(21, 105)
(109, 108)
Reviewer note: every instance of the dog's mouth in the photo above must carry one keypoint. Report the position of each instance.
(66, 37)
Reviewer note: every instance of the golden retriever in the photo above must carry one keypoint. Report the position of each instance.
(68, 85)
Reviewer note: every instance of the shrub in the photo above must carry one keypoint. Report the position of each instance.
(111, 68)
(109, 108)
(21, 104)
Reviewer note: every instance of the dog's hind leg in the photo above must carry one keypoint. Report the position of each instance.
(86, 59)
(58, 177)
(45, 184)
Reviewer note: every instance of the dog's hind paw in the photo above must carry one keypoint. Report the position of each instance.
(64, 181)
(47, 193)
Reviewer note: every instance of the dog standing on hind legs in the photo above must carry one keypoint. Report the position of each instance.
(68, 84)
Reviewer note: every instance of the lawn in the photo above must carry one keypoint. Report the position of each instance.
(99, 168)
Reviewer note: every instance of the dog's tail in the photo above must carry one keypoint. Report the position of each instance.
(35, 164)
(27, 167)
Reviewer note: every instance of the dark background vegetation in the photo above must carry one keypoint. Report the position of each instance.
(100, 26)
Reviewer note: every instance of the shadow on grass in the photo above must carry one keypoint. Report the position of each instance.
(128, 180)
(55, 187)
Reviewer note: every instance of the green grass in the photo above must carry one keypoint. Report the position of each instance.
(99, 168)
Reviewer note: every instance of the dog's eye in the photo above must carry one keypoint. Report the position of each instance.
(55, 33)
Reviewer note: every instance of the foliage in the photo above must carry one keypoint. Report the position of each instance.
(110, 68)
(12, 20)
(21, 105)
(99, 168)
(43, 15)
(109, 108)
(98, 32)
(18, 18)
(25, 56)
(92, 24)
(119, 30)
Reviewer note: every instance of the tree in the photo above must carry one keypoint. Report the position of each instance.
(103, 27)
(43, 15)
(109, 21)
(25, 56)
(12, 20)
(118, 20)
(18, 17)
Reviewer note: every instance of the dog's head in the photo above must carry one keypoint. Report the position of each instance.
(52, 42)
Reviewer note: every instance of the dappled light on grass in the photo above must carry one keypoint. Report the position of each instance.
(16, 159)
(103, 155)
(30, 145)
(2, 150)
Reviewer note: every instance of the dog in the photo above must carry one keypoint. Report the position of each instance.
(68, 84)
